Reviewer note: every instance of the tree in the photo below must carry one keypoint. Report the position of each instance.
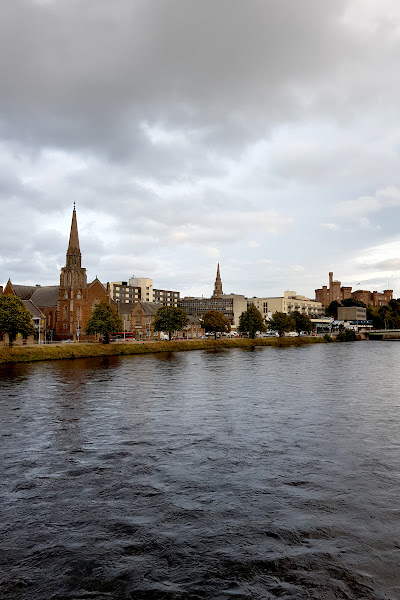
(15, 318)
(215, 322)
(301, 322)
(170, 319)
(331, 311)
(251, 321)
(352, 302)
(104, 320)
(280, 322)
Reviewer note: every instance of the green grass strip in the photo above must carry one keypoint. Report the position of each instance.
(70, 351)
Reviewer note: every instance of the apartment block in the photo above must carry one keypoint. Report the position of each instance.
(288, 303)
(141, 289)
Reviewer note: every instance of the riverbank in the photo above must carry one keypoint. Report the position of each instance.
(70, 351)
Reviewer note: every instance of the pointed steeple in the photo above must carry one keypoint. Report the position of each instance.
(218, 293)
(73, 253)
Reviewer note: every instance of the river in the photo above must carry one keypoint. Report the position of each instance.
(236, 474)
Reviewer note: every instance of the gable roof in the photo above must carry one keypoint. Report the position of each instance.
(193, 320)
(46, 295)
(33, 309)
(125, 308)
(150, 308)
(24, 292)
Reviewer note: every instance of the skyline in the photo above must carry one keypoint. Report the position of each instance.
(263, 136)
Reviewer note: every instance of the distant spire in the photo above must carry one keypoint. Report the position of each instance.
(218, 293)
(73, 252)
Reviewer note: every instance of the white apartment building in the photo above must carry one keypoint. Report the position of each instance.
(288, 303)
(141, 288)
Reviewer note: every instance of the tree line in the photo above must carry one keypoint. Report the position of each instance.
(16, 319)
(382, 317)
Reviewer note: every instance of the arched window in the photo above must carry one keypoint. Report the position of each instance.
(65, 313)
(96, 301)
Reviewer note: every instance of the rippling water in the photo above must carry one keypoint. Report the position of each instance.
(272, 473)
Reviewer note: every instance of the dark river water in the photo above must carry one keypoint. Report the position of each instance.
(237, 474)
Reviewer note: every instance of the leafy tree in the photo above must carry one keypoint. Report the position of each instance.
(352, 302)
(170, 319)
(331, 311)
(251, 321)
(347, 335)
(395, 305)
(215, 322)
(280, 322)
(14, 318)
(301, 322)
(104, 320)
(374, 316)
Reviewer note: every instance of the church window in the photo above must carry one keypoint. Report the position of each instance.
(96, 301)
(78, 295)
(65, 313)
(65, 295)
(78, 313)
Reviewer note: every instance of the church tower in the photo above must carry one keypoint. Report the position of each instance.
(73, 292)
(218, 286)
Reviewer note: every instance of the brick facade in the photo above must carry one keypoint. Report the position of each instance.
(337, 292)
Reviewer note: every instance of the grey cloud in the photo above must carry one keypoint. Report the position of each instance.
(85, 75)
(175, 125)
(392, 264)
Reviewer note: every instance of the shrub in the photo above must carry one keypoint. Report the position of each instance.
(348, 335)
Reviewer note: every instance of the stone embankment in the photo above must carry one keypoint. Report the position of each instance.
(69, 351)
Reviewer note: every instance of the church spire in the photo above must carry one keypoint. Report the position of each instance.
(73, 253)
(218, 293)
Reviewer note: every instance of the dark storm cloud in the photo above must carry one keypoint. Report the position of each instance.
(85, 75)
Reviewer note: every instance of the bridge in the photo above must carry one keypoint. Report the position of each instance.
(383, 334)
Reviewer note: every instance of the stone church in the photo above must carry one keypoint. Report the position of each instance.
(65, 308)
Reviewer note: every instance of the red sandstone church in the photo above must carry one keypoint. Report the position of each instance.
(65, 308)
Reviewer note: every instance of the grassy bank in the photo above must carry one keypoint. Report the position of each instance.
(28, 354)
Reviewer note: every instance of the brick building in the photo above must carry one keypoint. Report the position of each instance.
(337, 292)
(77, 298)
(65, 308)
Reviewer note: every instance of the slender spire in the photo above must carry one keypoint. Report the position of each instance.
(73, 252)
(218, 293)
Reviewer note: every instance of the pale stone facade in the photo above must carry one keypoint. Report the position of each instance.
(135, 289)
(288, 303)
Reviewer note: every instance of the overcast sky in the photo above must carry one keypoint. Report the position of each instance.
(262, 133)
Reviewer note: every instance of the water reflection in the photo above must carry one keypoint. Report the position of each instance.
(270, 474)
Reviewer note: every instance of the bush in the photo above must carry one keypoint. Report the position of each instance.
(348, 335)
(328, 338)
